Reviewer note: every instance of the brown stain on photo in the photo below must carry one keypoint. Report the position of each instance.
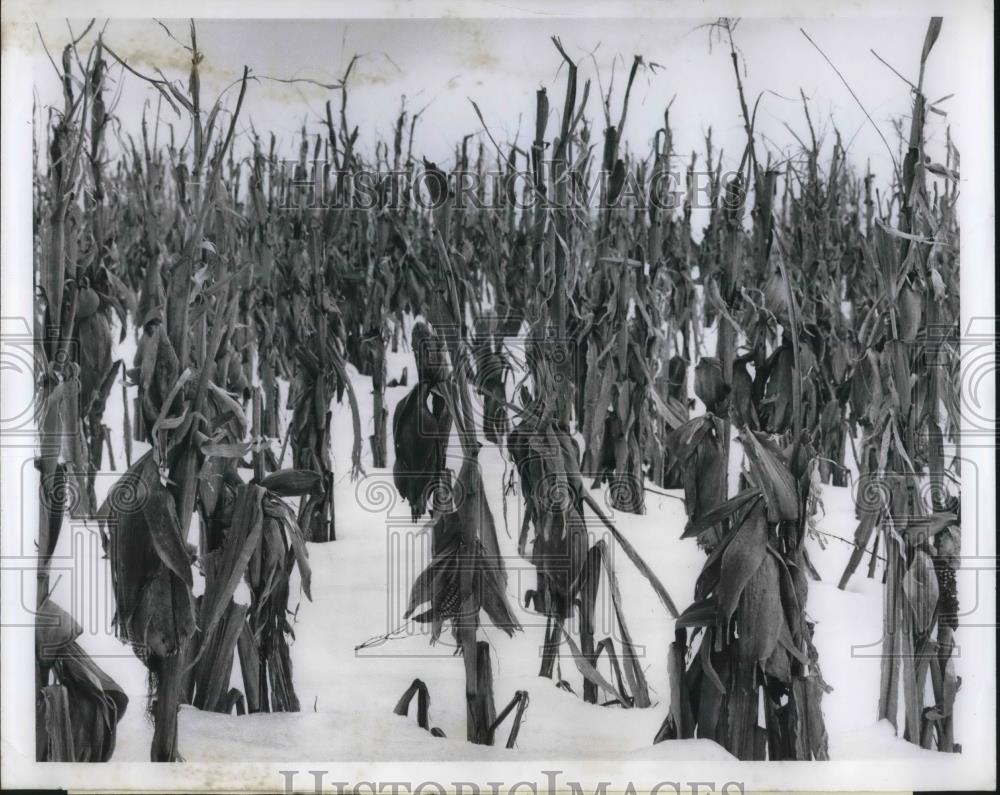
(479, 55)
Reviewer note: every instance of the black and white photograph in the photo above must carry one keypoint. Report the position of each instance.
(498, 397)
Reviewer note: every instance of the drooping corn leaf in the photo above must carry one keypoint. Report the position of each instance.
(701, 613)
(759, 617)
(242, 539)
(722, 512)
(293, 482)
(740, 561)
(590, 673)
(920, 585)
(772, 477)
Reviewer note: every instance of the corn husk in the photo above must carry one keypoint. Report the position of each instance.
(910, 313)
(420, 437)
(710, 385)
(772, 476)
(96, 704)
(739, 563)
(150, 563)
(466, 574)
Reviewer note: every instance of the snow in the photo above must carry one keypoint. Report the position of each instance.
(360, 587)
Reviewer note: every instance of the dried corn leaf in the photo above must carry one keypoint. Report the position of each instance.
(715, 516)
(700, 613)
(214, 668)
(420, 437)
(293, 482)
(759, 616)
(242, 539)
(151, 569)
(591, 674)
(772, 477)
(55, 630)
(920, 585)
(710, 385)
(96, 705)
(740, 562)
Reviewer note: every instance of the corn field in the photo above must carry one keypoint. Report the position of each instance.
(607, 352)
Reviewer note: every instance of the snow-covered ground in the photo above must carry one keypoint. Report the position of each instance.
(360, 586)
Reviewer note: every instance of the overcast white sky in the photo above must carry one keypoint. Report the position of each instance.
(501, 63)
